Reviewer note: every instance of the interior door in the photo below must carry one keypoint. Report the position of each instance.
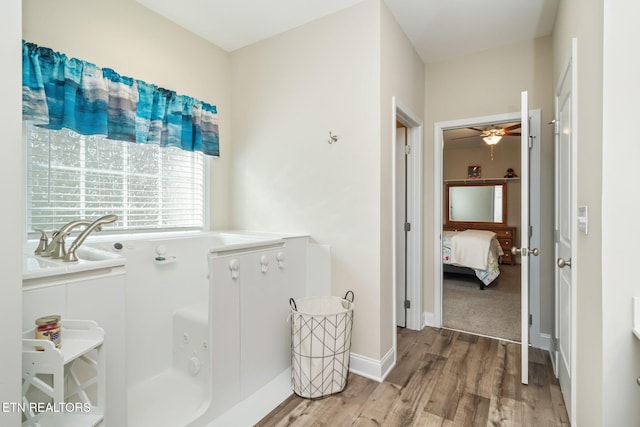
(401, 230)
(524, 238)
(564, 203)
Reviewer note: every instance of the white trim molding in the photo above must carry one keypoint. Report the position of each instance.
(370, 368)
(415, 174)
(429, 319)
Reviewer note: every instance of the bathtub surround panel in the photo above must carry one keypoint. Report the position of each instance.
(268, 279)
(250, 294)
(225, 303)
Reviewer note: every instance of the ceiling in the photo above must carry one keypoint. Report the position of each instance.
(438, 29)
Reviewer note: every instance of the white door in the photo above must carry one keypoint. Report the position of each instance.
(401, 231)
(524, 251)
(564, 230)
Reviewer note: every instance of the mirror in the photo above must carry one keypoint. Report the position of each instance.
(476, 202)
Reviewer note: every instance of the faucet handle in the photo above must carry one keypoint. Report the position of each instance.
(44, 240)
(59, 251)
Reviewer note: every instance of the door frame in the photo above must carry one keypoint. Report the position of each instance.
(536, 339)
(415, 172)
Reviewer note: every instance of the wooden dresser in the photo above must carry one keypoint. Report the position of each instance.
(506, 237)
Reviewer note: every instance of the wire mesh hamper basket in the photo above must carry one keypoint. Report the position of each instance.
(320, 344)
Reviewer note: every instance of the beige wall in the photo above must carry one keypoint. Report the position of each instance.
(403, 78)
(12, 216)
(125, 36)
(489, 83)
(288, 92)
(584, 20)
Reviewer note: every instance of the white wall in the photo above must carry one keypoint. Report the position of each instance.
(288, 93)
(584, 20)
(12, 215)
(136, 42)
(484, 84)
(620, 205)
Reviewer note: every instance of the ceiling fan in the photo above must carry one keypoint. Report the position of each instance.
(492, 134)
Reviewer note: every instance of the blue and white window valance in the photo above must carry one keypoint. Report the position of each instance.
(60, 92)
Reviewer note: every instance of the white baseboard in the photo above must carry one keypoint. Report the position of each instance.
(429, 320)
(370, 368)
(552, 356)
(542, 341)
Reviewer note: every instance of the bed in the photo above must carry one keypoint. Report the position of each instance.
(475, 252)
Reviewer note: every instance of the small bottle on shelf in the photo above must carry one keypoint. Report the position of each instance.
(48, 328)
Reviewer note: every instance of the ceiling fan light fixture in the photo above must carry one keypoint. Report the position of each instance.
(492, 139)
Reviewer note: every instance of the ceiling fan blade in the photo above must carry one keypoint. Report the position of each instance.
(512, 134)
(513, 126)
(476, 129)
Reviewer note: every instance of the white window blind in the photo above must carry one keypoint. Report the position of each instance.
(72, 176)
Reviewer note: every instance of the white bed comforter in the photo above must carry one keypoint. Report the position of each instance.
(470, 248)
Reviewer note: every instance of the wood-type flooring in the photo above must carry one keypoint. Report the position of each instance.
(442, 378)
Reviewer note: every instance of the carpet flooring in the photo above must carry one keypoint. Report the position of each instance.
(494, 312)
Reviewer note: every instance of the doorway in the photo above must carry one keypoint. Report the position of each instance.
(478, 160)
(407, 217)
(440, 210)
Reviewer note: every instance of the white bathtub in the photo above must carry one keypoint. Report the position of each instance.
(199, 338)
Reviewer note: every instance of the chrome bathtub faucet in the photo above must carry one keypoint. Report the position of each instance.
(55, 248)
(70, 256)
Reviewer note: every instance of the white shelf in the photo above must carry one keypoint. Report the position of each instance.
(481, 180)
(77, 339)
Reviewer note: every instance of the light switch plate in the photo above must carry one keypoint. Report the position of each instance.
(583, 219)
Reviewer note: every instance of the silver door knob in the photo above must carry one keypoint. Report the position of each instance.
(525, 251)
(562, 263)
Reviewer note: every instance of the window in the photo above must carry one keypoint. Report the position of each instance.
(72, 176)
